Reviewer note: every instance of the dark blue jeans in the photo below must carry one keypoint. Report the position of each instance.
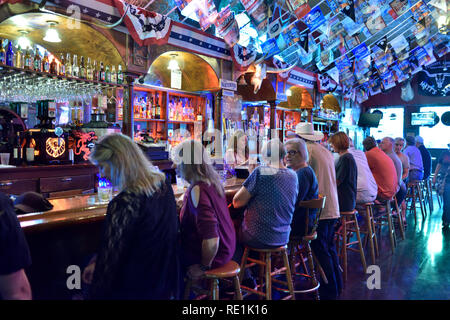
(401, 194)
(324, 248)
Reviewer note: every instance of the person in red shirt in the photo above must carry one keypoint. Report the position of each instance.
(382, 168)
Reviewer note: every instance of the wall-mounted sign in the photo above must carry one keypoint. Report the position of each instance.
(175, 79)
(281, 96)
(228, 85)
(228, 93)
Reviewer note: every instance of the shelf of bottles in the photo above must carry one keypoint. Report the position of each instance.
(35, 73)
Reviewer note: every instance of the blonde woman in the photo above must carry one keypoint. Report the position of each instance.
(207, 233)
(138, 257)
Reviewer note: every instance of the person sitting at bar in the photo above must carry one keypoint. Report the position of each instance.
(237, 152)
(322, 162)
(14, 255)
(415, 160)
(382, 168)
(138, 254)
(308, 188)
(426, 157)
(399, 144)
(367, 188)
(387, 145)
(208, 237)
(346, 172)
(270, 194)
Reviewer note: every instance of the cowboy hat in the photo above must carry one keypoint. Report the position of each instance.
(306, 131)
(31, 202)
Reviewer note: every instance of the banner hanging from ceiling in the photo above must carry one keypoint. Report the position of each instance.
(434, 80)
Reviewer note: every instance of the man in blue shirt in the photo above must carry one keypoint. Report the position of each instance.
(426, 157)
(415, 160)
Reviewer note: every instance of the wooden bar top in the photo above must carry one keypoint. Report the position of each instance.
(87, 208)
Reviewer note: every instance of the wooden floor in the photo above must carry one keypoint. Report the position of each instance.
(419, 269)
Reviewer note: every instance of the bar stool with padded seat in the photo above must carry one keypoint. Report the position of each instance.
(369, 230)
(384, 219)
(414, 192)
(349, 219)
(266, 274)
(229, 270)
(300, 247)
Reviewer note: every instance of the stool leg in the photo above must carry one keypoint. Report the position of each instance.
(292, 257)
(319, 267)
(269, 277)
(374, 231)
(391, 229)
(312, 271)
(369, 236)
(424, 213)
(243, 265)
(430, 189)
(400, 220)
(358, 236)
(413, 204)
(261, 274)
(288, 274)
(237, 288)
(344, 246)
(214, 289)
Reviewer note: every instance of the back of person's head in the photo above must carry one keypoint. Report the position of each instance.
(129, 168)
(410, 141)
(300, 146)
(195, 165)
(350, 142)
(238, 142)
(388, 144)
(273, 152)
(340, 141)
(419, 140)
(369, 143)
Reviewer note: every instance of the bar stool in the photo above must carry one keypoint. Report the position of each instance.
(429, 194)
(300, 247)
(369, 230)
(414, 192)
(266, 274)
(344, 234)
(384, 219)
(400, 219)
(229, 270)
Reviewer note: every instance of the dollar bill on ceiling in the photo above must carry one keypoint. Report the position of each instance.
(227, 26)
(429, 49)
(387, 80)
(375, 23)
(277, 21)
(298, 7)
(400, 46)
(375, 85)
(314, 19)
(400, 7)
(290, 55)
(441, 44)
(400, 76)
(419, 11)
(414, 64)
(258, 12)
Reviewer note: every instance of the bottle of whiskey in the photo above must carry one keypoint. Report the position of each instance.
(17, 152)
(18, 58)
(28, 60)
(102, 72)
(153, 108)
(83, 72)
(30, 145)
(75, 67)
(89, 70)
(2, 52)
(62, 66)
(54, 66)
(158, 108)
(68, 66)
(45, 63)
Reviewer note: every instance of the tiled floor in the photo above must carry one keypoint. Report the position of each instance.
(419, 269)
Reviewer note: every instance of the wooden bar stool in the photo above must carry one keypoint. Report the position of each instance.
(414, 192)
(400, 219)
(227, 271)
(349, 225)
(300, 247)
(384, 219)
(266, 274)
(369, 230)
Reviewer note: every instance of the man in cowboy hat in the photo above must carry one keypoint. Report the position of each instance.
(322, 162)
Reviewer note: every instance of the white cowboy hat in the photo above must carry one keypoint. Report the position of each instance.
(306, 131)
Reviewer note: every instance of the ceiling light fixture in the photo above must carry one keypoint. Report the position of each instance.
(23, 41)
(173, 64)
(51, 35)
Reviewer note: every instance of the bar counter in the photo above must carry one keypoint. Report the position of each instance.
(68, 235)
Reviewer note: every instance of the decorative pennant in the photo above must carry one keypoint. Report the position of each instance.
(258, 11)
(243, 57)
(325, 83)
(314, 19)
(304, 41)
(382, 43)
(334, 74)
(349, 10)
(281, 65)
(298, 7)
(145, 27)
(227, 26)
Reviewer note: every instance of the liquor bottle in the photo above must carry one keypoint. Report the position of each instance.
(75, 67)
(18, 58)
(30, 148)
(68, 66)
(120, 75)
(95, 72)
(158, 108)
(2, 53)
(149, 108)
(28, 60)
(83, 72)
(17, 152)
(62, 66)
(153, 108)
(113, 74)
(102, 72)
(89, 70)
(10, 55)
(107, 74)
(37, 63)
(45, 63)
(54, 66)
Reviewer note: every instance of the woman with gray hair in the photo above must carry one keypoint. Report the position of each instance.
(308, 187)
(138, 256)
(208, 238)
